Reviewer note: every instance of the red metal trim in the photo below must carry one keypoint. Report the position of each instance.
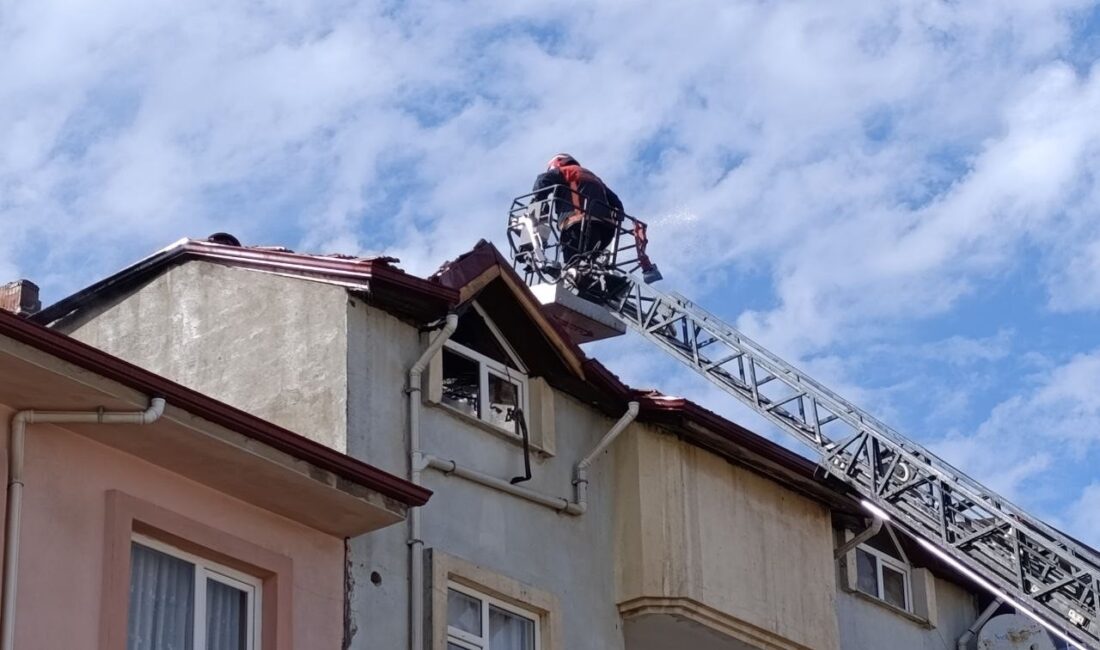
(111, 367)
(361, 269)
(657, 407)
(388, 286)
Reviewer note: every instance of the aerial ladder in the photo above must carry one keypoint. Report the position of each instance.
(1017, 557)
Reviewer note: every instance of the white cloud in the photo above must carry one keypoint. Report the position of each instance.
(870, 164)
(1084, 515)
(1055, 424)
(168, 119)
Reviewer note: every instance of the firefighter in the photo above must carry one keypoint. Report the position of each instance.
(588, 212)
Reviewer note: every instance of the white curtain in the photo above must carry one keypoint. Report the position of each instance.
(510, 632)
(226, 617)
(161, 601)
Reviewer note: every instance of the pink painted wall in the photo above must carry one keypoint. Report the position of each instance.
(63, 538)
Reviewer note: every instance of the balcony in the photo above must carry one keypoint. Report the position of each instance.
(713, 554)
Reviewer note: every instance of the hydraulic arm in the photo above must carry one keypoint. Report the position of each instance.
(1046, 573)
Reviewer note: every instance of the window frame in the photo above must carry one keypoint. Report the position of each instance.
(206, 569)
(882, 558)
(467, 641)
(486, 367)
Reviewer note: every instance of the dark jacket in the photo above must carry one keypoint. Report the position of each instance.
(582, 192)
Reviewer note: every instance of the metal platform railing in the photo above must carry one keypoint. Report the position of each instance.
(552, 242)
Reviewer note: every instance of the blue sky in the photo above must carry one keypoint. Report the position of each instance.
(901, 197)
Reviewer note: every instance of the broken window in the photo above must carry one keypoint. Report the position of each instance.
(482, 376)
(461, 383)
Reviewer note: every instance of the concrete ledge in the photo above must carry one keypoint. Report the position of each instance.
(715, 620)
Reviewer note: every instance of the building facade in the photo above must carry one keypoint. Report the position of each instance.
(141, 514)
(568, 510)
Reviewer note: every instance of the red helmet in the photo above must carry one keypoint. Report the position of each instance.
(561, 160)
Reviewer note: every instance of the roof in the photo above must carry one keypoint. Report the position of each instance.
(473, 275)
(482, 273)
(210, 409)
(383, 283)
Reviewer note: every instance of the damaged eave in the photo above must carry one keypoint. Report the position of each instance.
(476, 272)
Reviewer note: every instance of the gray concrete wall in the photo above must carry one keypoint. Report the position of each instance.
(867, 625)
(569, 557)
(267, 344)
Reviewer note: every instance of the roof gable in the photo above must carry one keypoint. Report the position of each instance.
(484, 274)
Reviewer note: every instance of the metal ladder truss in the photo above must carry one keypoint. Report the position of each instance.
(1057, 578)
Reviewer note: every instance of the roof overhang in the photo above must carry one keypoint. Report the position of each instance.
(200, 438)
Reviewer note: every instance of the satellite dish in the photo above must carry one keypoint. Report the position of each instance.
(1013, 632)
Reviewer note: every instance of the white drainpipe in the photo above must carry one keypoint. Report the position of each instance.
(871, 530)
(580, 472)
(16, 439)
(416, 545)
(577, 506)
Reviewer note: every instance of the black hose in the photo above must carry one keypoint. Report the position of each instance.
(521, 428)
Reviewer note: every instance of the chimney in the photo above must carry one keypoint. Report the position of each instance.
(20, 297)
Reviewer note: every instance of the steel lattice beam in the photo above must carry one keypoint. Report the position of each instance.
(1039, 567)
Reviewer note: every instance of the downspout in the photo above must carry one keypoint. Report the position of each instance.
(576, 507)
(580, 472)
(964, 640)
(868, 533)
(16, 440)
(416, 545)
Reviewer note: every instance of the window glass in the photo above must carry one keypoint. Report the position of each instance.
(463, 612)
(508, 631)
(226, 617)
(161, 601)
(893, 587)
(461, 383)
(866, 572)
(481, 622)
(182, 602)
(503, 401)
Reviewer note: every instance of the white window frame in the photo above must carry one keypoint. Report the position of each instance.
(488, 366)
(468, 641)
(205, 569)
(884, 559)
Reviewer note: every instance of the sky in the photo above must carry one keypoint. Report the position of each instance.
(901, 197)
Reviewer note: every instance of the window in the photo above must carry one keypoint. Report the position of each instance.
(884, 577)
(182, 602)
(482, 376)
(478, 622)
